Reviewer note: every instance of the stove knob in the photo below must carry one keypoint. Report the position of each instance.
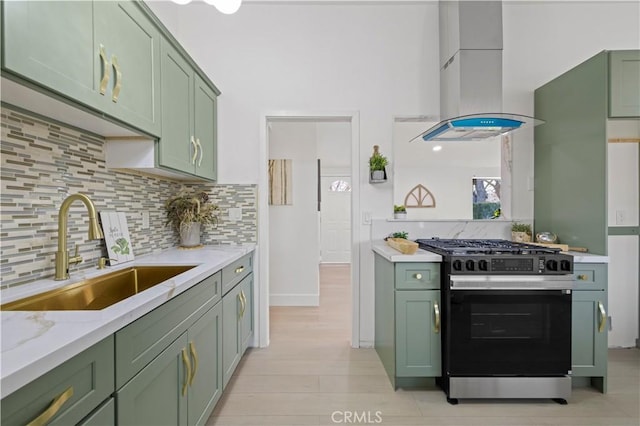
(457, 265)
(483, 265)
(565, 265)
(552, 265)
(469, 264)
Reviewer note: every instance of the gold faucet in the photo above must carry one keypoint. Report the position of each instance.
(95, 233)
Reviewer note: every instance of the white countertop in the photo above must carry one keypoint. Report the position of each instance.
(35, 342)
(393, 255)
(579, 257)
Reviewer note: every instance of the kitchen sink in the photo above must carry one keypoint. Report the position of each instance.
(99, 292)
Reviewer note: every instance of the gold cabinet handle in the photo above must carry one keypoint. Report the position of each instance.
(603, 317)
(118, 86)
(105, 71)
(53, 409)
(239, 269)
(418, 276)
(436, 311)
(244, 297)
(195, 150)
(201, 151)
(194, 354)
(582, 277)
(187, 365)
(241, 313)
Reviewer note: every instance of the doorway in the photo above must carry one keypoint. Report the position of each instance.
(316, 227)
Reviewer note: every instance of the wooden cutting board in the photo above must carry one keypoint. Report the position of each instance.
(402, 245)
(562, 247)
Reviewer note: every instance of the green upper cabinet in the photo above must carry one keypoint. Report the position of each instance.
(132, 46)
(103, 55)
(51, 43)
(177, 148)
(188, 141)
(624, 83)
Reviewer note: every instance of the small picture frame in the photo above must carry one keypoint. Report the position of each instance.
(116, 237)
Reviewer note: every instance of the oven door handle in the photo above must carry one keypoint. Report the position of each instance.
(511, 282)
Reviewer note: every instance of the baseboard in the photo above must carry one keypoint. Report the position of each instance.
(366, 344)
(294, 300)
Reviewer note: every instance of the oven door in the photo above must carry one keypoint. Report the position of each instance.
(493, 332)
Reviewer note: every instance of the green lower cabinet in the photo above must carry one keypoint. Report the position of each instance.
(158, 394)
(105, 415)
(246, 323)
(231, 339)
(417, 333)
(80, 384)
(205, 347)
(589, 336)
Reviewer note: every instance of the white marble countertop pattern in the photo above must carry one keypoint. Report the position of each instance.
(35, 342)
(393, 255)
(579, 257)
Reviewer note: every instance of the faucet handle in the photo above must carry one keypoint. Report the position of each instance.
(76, 258)
(102, 262)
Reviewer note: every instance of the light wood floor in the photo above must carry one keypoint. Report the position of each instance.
(311, 376)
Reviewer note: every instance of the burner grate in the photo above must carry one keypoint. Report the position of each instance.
(482, 246)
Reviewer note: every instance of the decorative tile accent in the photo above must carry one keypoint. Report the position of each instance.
(43, 162)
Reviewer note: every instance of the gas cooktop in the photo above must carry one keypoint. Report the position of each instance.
(481, 246)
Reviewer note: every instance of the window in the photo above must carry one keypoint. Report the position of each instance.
(340, 186)
(486, 198)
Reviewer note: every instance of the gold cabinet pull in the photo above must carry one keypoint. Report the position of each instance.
(187, 365)
(582, 277)
(201, 151)
(239, 269)
(195, 150)
(53, 409)
(105, 70)
(418, 276)
(436, 311)
(241, 313)
(118, 86)
(194, 354)
(603, 317)
(244, 308)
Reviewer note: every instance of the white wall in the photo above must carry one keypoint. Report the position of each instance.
(293, 229)
(380, 60)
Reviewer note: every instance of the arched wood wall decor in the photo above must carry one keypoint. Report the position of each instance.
(421, 197)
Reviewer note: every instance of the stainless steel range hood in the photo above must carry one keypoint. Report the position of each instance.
(471, 74)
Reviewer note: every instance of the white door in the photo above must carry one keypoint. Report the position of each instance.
(335, 219)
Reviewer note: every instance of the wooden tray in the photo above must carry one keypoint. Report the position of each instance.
(562, 247)
(402, 245)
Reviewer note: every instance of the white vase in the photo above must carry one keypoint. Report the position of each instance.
(190, 234)
(400, 215)
(377, 175)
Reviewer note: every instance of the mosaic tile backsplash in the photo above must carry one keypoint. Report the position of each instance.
(43, 162)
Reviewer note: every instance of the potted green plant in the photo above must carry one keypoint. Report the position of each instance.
(399, 212)
(187, 211)
(521, 232)
(377, 165)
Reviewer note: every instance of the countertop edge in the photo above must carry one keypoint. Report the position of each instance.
(393, 255)
(23, 363)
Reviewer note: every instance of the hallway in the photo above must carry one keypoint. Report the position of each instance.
(310, 375)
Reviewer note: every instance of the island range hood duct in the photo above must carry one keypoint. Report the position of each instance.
(471, 74)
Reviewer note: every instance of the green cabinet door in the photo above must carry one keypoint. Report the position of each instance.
(589, 334)
(103, 416)
(177, 147)
(231, 339)
(417, 333)
(205, 347)
(205, 128)
(246, 321)
(158, 394)
(624, 83)
(52, 44)
(132, 46)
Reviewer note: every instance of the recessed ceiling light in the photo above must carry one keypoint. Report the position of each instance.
(437, 148)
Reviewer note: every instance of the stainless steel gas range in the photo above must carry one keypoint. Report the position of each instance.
(506, 319)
